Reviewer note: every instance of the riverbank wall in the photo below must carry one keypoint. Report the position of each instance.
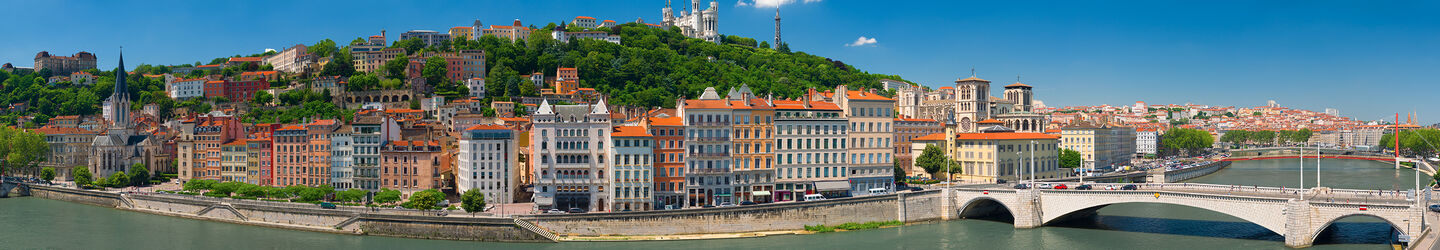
(307, 217)
(906, 207)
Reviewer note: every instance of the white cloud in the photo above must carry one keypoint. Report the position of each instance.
(863, 41)
(770, 3)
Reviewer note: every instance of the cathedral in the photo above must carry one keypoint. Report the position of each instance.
(969, 102)
(121, 145)
(695, 23)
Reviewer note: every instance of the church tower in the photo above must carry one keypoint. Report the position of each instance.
(120, 99)
(972, 102)
(777, 28)
(1022, 95)
(667, 15)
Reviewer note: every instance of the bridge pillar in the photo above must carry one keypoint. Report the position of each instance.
(1297, 224)
(1027, 209)
(1156, 176)
(947, 206)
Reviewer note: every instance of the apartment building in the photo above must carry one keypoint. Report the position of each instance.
(570, 144)
(487, 163)
(633, 155)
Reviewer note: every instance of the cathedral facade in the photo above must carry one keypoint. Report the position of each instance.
(695, 23)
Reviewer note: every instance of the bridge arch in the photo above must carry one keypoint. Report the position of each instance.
(982, 206)
(1315, 232)
(1266, 213)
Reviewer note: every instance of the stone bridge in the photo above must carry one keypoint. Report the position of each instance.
(7, 186)
(1279, 210)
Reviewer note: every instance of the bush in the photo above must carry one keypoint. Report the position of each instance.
(217, 194)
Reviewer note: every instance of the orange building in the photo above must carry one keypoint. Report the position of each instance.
(318, 166)
(669, 134)
(291, 155)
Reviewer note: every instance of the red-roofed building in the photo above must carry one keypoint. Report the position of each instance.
(240, 91)
(633, 168)
(998, 153)
(669, 151)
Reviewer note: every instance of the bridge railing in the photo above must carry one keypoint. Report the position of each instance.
(1338, 194)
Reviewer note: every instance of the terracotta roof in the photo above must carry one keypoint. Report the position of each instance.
(1005, 136)
(293, 127)
(947, 87)
(904, 119)
(585, 17)
(630, 131)
(61, 131)
(259, 73)
(862, 95)
(245, 59)
(1017, 84)
(990, 121)
(514, 119)
(930, 137)
(486, 127)
(667, 121)
(324, 122)
(705, 104)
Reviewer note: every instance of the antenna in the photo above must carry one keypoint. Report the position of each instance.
(1017, 77)
(972, 71)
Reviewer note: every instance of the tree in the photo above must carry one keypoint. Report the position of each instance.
(424, 200)
(1070, 158)
(353, 195)
(23, 150)
(435, 70)
(899, 172)
(139, 175)
(316, 193)
(251, 191)
(362, 82)
(1185, 140)
(472, 201)
(395, 68)
(386, 196)
(197, 185)
(933, 160)
(262, 98)
(82, 176)
(47, 174)
(118, 180)
(765, 44)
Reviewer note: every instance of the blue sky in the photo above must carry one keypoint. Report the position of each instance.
(1369, 59)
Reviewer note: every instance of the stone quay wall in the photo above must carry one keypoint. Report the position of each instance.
(907, 207)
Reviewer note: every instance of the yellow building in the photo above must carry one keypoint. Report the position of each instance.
(999, 153)
(462, 32)
(233, 161)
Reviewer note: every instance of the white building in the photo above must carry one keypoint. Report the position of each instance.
(633, 169)
(709, 177)
(486, 163)
(476, 86)
(871, 131)
(563, 36)
(342, 158)
(1147, 141)
(697, 24)
(810, 150)
(429, 37)
(181, 89)
(570, 144)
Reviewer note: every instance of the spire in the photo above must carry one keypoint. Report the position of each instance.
(120, 74)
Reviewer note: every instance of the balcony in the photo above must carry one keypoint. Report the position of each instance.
(709, 124)
(714, 138)
(709, 154)
(709, 171)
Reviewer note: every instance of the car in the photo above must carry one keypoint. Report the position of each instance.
(727, 204)
(1130, 187)
(707, 206)
(327, 205)
(917, 189)
(576, 210)
(1044, 185)
(1022, 186)
(1000, 181)
(747, 203)
(554, 211)
(1435, 208)
(1084, 187)
(1061, 186)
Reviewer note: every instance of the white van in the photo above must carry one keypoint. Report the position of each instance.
(877, 191)
(814, 197)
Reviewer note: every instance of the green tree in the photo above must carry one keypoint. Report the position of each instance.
(395, 68)
(197, 185)
(472, 201)
(352, 195)
(23, 151)
(47, 174)
(424, 200)
(118, 180)
(1070, 158)
(899, 172)
(81, 175)
(435, 70)
(316, 193)
(251, 191)
(362, 82)
(139, 175)
(1185, 140)
(934, 161)
(387, 196)
(262, 98)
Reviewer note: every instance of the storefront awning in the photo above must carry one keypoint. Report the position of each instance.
(832, 185)
(760, 193)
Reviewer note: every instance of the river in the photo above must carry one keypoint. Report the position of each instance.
(27, 223)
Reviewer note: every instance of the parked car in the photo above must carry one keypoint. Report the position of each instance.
(1061, 186)
(707, 206)
(1130, 187)
(1022, 186)
(1084, 187)
(747, 203)
(1044, 185)
(916, 189)
(814, 197)
(1435, 208)
(554, 211)
(327, 205)
(576, 210)
(726, 204)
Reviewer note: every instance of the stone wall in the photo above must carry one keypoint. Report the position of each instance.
(449, 228)
(78, 196)
(919, 206)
